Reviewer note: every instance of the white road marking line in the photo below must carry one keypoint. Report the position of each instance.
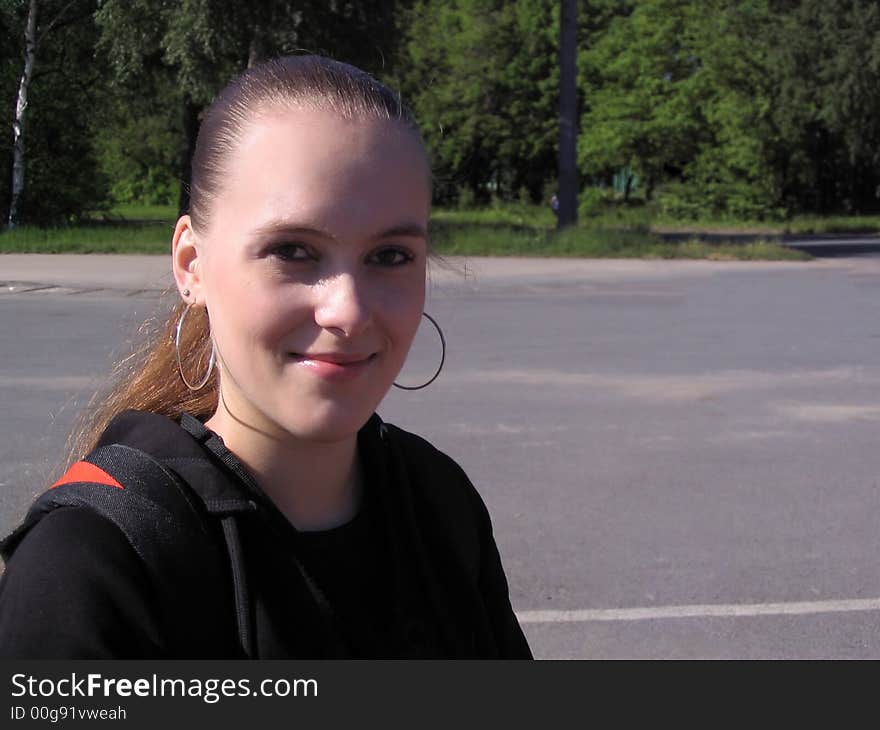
(733, 610)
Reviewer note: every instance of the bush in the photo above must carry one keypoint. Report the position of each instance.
(593, 201)
(714, 200)
(466, 199)
(682, 201)
(138, 153)
(548, 191)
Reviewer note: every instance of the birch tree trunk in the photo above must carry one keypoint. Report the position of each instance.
(568, 177)
(18, 152)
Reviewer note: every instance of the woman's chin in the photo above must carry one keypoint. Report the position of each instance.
(326, 427)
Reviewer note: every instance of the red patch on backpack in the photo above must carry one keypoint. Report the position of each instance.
(83, 471)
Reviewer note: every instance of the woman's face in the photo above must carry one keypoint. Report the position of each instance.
(312, 269)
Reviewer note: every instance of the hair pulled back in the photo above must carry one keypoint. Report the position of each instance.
(149, 379)
(286, 82)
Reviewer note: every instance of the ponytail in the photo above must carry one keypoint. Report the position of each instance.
(149, 378)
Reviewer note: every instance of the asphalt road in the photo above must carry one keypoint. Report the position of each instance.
(680, 458)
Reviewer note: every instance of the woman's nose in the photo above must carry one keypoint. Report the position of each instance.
(342, 305)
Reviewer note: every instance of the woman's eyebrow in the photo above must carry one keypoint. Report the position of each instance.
(413, 230)
(292, 227)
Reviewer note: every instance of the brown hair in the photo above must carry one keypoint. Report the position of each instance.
(149, 379)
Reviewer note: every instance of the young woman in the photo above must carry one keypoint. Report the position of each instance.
(309, 528)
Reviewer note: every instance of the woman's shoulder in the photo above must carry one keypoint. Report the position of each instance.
(422, 457)
(152, 433)
(77, 572)
(417, 446)
(67, 534)
(130, 540)
(435, 478)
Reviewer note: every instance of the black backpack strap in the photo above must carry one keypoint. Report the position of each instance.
(143, 498)
(160, 518)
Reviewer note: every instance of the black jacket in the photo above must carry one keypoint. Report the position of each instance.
(424, 578)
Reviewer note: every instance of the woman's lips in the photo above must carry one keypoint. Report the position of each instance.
(333, 366)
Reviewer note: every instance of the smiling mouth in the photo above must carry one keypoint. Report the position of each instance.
(333, 366)
(339, 359)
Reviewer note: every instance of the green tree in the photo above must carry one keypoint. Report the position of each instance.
(733, 169)
(747, 108)
(637, 76)
(482, 76)
(828, 104)
(183, 53)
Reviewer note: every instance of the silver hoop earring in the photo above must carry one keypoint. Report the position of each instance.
(204, 380)
(442, 357)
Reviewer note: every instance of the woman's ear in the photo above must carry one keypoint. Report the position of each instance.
(185, 261)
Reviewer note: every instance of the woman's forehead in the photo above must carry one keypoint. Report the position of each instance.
(312, 164)
(307, 130)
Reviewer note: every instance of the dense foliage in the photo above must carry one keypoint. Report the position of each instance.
(700, 108)
(482, 76)
(743, 108)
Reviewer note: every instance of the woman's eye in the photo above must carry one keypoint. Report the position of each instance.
(391, 257)
(292, 252)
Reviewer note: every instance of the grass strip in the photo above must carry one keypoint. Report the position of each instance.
(510, 230)
(468, 240)
(452, 241)
(106, 238)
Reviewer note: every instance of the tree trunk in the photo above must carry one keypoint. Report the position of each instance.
(190, 134)
(568, 177)
(18, 152)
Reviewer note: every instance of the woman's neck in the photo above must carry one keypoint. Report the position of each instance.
(315, 485)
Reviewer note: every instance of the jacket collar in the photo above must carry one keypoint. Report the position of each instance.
(201, 458)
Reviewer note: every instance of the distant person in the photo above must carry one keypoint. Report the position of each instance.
(235, 495)
(554, 204)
